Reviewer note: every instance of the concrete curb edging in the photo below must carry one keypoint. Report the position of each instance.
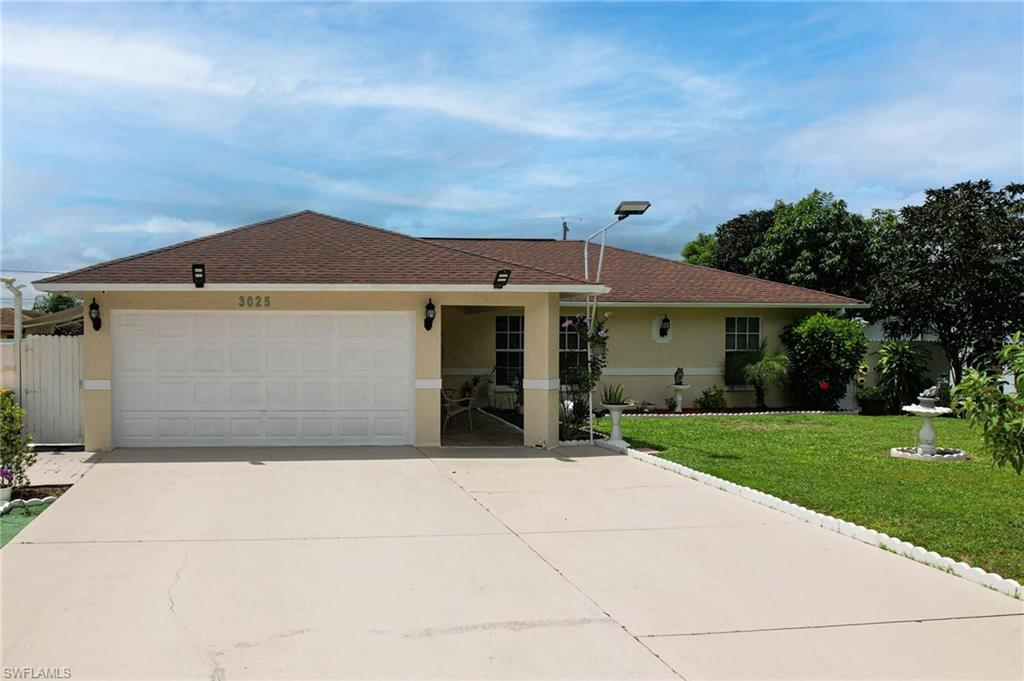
(990, 580)
(19, 503)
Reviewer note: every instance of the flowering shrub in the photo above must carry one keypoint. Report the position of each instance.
(825, 353)
(15, 456)
(579, 381)
(712, 399)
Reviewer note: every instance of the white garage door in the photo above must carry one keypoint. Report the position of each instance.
(261, 378)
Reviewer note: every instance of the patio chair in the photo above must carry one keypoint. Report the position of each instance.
(454, 406)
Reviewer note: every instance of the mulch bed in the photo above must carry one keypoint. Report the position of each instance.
(39, 491)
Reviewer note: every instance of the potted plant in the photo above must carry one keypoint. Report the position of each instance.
(873, 401)
(613, 399)
(6, 484)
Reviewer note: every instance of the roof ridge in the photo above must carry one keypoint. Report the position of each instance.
(168, 247)
(426, 241)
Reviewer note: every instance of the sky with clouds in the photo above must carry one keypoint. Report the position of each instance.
(131, 126)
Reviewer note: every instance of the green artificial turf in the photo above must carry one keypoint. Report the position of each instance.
(15, 520)
(838, 464)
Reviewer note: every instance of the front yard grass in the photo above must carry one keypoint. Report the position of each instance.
(838, 464)
(15, 520)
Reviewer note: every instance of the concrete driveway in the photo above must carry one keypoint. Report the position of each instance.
(397, 562)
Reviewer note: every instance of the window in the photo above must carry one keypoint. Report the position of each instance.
(508, 349)
(742, 333)
(572, 347)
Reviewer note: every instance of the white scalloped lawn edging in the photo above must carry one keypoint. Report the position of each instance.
(19, 503)
(991, 580)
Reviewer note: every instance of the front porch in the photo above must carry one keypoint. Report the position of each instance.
(503, 362)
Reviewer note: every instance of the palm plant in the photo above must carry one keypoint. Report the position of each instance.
(767, 370)
(901, 367)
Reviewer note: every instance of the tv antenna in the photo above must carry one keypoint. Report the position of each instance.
(565, 226)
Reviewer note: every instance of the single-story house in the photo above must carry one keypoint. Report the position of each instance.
(312, 330)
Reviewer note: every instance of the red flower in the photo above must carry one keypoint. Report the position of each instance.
(823, 385)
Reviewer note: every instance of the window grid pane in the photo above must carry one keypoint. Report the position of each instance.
(742, 333)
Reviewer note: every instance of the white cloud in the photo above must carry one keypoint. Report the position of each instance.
(161, 224)
(106, 55)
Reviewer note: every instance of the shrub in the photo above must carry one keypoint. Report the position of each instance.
(15, 454)
(767, 370)
(613, 394)
(901, 368)
(979, 398)
(712, 399)
(824, 354)
(873, 401)
(735, 363)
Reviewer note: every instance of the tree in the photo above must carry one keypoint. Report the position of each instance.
(817, 243)
(735, 239)
(700, 251)
(980, 399)
(54, 302)
(954, 267)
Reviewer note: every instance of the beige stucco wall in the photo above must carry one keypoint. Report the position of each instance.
(541, 340)
(636, 360)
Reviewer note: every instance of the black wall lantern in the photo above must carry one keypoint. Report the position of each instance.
(199, 274)
(428, 319)
(94, 315)
(666, 324)
(501, 278)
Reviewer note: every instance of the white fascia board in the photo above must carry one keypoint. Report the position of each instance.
(424, 288)
(812, 306)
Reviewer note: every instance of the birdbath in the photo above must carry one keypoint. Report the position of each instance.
(615, 411)
(677, 389)
(926, 449)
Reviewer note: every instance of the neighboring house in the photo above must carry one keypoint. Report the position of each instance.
(308, 329)
(7, 320)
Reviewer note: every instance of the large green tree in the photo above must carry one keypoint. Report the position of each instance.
(700, 251)
(735, 239)
(954, 267)
(54, 302)
(817, 243)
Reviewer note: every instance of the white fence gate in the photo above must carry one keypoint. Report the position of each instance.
(51, 388)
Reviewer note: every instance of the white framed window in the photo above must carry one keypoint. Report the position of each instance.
(572, 347)
(742, 333)
(508, 348)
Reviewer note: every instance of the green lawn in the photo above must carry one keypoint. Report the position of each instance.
(839, 465)
(15, 520)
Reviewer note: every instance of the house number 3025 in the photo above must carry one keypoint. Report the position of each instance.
(253, 301)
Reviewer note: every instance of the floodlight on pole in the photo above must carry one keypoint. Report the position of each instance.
(622, 211)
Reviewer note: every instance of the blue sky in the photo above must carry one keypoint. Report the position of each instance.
(131, 126)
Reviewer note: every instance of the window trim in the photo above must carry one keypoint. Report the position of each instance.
(725, 332)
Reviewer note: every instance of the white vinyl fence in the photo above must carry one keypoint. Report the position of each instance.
(51, 388)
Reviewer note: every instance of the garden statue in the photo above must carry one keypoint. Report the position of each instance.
(680, 374)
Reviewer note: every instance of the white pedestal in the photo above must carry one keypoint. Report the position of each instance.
(678, 391)
(615, 411)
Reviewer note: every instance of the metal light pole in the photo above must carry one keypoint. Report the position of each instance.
(16, 291)
(623, 211)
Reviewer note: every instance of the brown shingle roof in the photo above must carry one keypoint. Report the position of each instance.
(311, 248)
(641, 278)
(7, 317)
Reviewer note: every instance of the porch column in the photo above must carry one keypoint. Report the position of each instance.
(97, 410)
(428, 379)
(540, 371)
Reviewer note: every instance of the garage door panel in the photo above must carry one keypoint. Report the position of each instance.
(262, 377)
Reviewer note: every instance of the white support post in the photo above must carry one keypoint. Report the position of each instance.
(16, 291)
